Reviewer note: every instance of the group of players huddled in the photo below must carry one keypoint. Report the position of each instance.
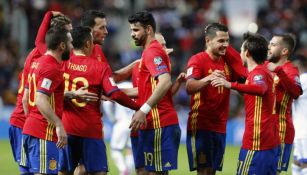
(56, 127)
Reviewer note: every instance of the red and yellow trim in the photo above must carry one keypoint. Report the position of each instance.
(282, 117)
(257, 123)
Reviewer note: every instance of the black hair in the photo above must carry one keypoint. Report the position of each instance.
(55, 36)
(144, 18)
(80, 35)
(211, 29)
(289, 40)
(88, 18)
(257, 46)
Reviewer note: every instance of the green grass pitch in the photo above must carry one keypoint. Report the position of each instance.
(9, 167)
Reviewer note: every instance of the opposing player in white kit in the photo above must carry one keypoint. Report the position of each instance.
(299, 114)
(120, 139)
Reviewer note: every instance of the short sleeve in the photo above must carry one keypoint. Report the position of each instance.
(48, 79)
(194, 69)
(156, 61)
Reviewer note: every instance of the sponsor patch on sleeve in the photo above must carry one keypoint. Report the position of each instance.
(46, 84)
(157, 60)
(189, 71)
(258, 79)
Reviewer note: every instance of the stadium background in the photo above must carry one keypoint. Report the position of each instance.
(180, 21)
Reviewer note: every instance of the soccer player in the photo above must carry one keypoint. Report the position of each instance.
(287, 88)
(259, 151)
(209, 105)
(55, 19)
(299, 113)
(82, 120)
(136, 146)
(43, 131)
(96, 20)
(160, 132)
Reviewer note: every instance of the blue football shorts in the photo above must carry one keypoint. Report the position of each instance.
(160, 148)
(258, 162)
(88, 151)
(205, 149)
(42, 155)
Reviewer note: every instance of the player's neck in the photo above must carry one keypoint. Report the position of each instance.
(282, 61)
(148, 41)
(212, 56)
(251, 64)
(55, 54)
(79, 53)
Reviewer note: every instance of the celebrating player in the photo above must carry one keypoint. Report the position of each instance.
(43, 131)
(259, 151)
(82, 119)
(52, 19)
(287, 88)
(209, 105)
(160, 133)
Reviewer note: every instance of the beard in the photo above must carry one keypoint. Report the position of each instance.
(273, 58)
(66, 54)
(141, 41)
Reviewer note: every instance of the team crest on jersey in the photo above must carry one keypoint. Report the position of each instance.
(46, 83)
(157, 60)
(189, 71)
(258, 79)
(52, 164)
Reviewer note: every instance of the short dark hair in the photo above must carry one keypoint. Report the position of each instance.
(144, 18)
(289, 40)
(257, 46)
(80, 35)
(60, 21)
(88, 18)
(211, 29)
(55, 36)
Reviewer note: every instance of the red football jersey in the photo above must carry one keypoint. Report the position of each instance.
(260, 132)
(45, 76)
(154, 63)
(287, 88)
(18, 116)
(81, 118)
(209, 106)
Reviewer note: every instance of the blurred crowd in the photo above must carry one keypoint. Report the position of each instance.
(180, 21)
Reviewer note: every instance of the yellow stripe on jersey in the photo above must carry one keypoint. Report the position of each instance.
(194, 126)
(247, 162)
(50, 127)
(157, 149)
(257, 122)
(154, 111)
(282, 117)
(42, 156)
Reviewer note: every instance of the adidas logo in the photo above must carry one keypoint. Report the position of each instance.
(167, 164)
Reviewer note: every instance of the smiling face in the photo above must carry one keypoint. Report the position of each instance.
(100, 30)
(138, 34)
(218, 44)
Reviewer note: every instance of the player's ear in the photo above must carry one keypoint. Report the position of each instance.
(62, 46)
(285, 51)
